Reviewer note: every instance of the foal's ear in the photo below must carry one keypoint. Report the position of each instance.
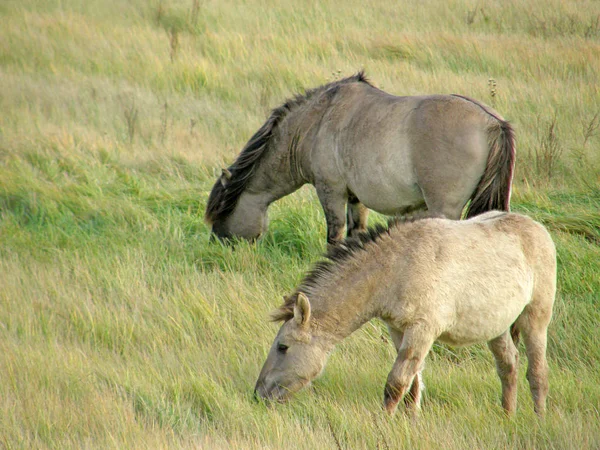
(225, 177)
(302, 310)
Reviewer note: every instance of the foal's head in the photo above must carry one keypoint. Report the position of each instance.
(297, 356)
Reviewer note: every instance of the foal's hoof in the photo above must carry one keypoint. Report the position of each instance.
(390, 406)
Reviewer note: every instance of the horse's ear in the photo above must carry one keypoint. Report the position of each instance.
(225, 177)
(302, 310)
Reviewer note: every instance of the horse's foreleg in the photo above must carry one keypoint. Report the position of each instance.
(333, 204)
(507, 358)
(416, 343)
(412, 399)
(357, 216)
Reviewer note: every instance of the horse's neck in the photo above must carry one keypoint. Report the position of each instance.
(342, 307)
(278, 174)
(295, 141)
(340, 322)
(362, 288)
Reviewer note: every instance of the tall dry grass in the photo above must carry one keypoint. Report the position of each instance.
(121, 326)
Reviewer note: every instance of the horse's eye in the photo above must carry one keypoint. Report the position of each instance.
(282, 348)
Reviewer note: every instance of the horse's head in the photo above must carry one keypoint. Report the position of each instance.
(296, 357)
(234, 213)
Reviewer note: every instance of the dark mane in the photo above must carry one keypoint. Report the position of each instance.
(222, 200)
(338, 255)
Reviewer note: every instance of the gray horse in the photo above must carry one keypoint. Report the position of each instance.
(487, 279)
(364, 148)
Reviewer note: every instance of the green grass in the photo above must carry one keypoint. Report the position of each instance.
(122, 326)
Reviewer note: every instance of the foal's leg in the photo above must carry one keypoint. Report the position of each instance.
(333, 203)
(533, 325)
(537, 369)
(534, 331)
(356, 217)
(507, 358)
(415, 345)
(412, 399)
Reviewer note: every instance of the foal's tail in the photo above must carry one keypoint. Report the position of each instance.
(493, 190)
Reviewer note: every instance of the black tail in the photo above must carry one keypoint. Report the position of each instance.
(493, 190)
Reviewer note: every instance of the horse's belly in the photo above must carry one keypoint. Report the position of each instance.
(478, 321)
(459, 337)
(391, 197)
(383, 178)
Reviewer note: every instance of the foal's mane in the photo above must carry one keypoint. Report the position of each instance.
(339, 254)
(222, 200)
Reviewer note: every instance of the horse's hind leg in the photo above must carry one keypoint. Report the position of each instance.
(533, 325)
(356, 217)
(507, 358)
(416, 343)
(333, 202)
(446, 204)
(412, 399)
(537, 369)
(447, 185)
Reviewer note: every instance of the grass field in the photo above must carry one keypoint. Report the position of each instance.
(121, 326)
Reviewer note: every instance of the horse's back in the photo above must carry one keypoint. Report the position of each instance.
(535, 242)
(539, 249)
(387, 148)
(473, 278)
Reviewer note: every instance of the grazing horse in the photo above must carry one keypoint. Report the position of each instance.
(364, 148)
(487, 279)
